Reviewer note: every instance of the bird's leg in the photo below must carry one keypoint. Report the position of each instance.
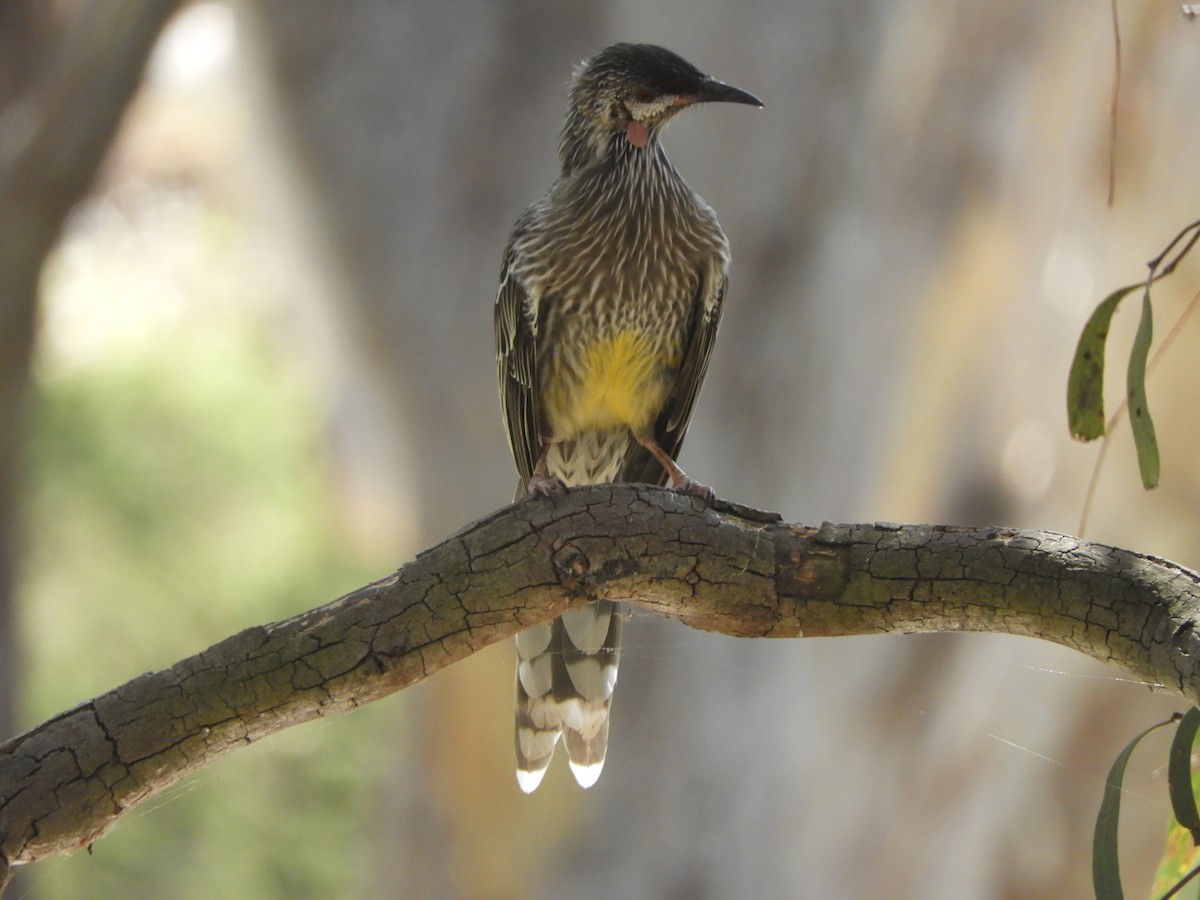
(540, 483)
(679, 480)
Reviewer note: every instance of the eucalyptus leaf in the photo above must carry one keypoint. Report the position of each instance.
(1139, 409)
(1085, 384)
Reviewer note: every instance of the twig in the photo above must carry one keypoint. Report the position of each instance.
(1112, 114)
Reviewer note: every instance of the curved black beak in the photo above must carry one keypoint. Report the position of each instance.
(713, 91)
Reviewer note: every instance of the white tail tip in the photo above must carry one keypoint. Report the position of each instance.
(585, 775)
(528, 781)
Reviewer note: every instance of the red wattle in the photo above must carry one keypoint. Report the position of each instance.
(637, 134)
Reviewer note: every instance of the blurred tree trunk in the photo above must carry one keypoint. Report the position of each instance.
(23, 33)
(67, 73)
(66, 77)
(384, 106)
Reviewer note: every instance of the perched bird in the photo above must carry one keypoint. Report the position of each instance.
(610, 294)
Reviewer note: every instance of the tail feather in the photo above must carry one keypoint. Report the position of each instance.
(535, 740)
(586, 755)
(566, 673)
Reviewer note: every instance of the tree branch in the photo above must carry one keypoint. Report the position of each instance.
(722, 568)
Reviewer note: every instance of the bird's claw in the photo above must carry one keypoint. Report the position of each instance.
(695, 489)
(545, 485)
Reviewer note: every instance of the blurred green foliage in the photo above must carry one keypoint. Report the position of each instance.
(177, 494)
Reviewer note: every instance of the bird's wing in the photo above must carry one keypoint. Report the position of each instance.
(516, 365)
(672, 422)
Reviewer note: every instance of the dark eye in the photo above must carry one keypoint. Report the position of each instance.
(643, 95)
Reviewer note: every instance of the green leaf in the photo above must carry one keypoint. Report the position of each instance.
(1106, 867)
(1139, 409)
(1085, 384)
(1179, 774)
(1177, 868)
(1176, 875)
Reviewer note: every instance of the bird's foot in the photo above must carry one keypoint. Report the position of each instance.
(544, 485)
(685, 485)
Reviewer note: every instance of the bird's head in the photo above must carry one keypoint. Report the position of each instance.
(632, 91)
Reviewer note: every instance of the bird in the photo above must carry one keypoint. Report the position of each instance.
(611, 290)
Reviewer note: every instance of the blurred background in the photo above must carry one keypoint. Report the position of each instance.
(261, 373)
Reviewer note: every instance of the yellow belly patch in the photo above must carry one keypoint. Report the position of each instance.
(619, 383)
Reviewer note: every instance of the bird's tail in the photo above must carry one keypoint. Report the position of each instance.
(566, 672)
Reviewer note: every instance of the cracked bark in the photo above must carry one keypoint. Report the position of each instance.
(723, 568)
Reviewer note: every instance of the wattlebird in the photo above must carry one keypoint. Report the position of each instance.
(610, 295)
